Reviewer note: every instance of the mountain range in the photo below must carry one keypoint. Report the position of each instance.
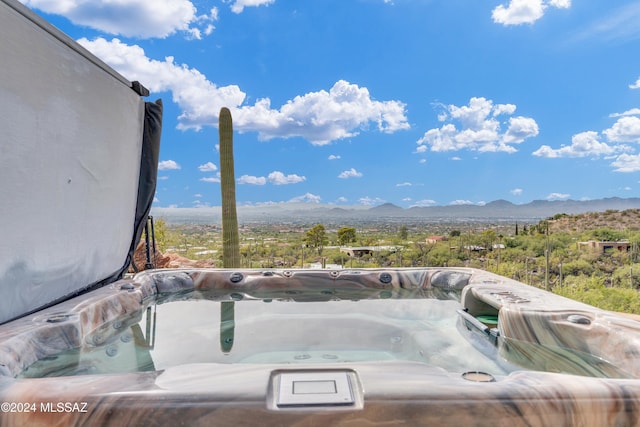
(498, 210)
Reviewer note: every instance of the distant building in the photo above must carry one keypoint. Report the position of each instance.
(622, 246)
(360, 251)
(435, 239)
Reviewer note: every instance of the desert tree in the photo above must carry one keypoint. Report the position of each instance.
(316, 238)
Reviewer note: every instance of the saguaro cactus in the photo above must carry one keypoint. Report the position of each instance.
(230, 239)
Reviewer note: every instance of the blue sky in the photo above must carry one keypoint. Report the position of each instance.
(362, 102)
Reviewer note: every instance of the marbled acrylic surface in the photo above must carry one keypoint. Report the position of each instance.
(536, 330)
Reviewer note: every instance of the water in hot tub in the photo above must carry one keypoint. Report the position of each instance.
(279, 331)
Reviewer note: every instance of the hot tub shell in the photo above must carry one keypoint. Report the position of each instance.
(381, 391)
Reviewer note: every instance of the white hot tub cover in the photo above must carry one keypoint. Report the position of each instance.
(78, 163)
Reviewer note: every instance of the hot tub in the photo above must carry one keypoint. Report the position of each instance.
(427, 346)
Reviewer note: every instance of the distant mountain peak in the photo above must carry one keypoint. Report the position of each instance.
(495, 210)
(386, 207)
(500, 203)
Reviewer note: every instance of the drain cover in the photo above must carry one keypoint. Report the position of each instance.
(298, 389)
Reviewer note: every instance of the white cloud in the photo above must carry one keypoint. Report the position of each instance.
(351, 173)
(319, 117)
(208, 167)
(334, 157)
(404, 184)
(322, 117)
(267, 203)
(424, 203)
(478, 128)
(518, 12)
(625, 129)
(239, 5)
(627, 163)
(631, 112)
(558, 196)
(582, 145)
(635, 85)
(306, 198)
(461, 202)
(275, 178)
(342, 199)
(211, 178)
(167, 165)
(519, 129)
(279, 178)
(133, 18)
(516, 191)
(253, 180)
(199, 99)
(368, 201)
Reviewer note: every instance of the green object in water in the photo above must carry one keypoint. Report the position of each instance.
(488, 320)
